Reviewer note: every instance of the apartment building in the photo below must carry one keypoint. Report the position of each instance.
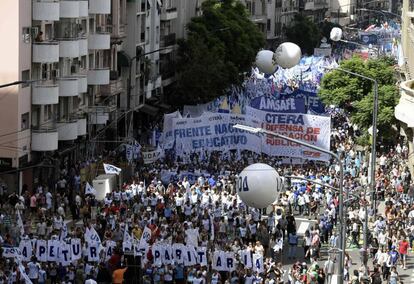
(404, 109)
(69, 51)
(99, 71)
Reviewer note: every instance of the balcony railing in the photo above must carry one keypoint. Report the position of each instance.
(46, 52)
(44, 138)
(114, 87)
(168, 40)
(46, 10)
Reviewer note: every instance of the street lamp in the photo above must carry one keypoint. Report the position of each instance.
(340, 276)
(23, 82)
(373, 150)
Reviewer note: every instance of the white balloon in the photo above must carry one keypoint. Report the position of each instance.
(258, 185)
(336, 34)
(287, 55)
(265, 62)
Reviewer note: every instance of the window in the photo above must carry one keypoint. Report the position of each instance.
(25, 121)
(157, 35)
(48, 112)
(147, 35)
(26, 34)
(25, 77)
(268, 25)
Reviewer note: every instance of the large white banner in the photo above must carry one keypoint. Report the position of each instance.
(312, 129)
(212, 131)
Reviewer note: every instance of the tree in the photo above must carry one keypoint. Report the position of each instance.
(221, 46)
(304, 33)
(356, 95)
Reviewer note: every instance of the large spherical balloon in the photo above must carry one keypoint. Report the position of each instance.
(336, 34)
(265, 62)
(258, 185)
(287, 55)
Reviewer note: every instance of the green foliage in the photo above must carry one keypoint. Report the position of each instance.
(221, 46)
(356, 95)
(304, 33)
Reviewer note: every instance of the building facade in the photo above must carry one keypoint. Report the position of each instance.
(98, 71)
(404, 109)
(68, 50)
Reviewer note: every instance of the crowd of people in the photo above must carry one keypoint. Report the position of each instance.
(207, 212)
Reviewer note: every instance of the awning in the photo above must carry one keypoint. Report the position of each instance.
(148, 109)
(404, 113)
(123, 59)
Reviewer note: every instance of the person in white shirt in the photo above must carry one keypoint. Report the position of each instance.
(34, 268)
(42, 276)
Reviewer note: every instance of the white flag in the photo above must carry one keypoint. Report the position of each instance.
(89, 189)
(110, 169)
(20, 223)
(23, 272)
(145, 238)
(91, 235)
(127, 242)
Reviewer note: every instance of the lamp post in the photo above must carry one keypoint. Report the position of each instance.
(373, 152)
(340, 276)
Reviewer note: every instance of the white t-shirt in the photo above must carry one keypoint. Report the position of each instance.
(34, 268)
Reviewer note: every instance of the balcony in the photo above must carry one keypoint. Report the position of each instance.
(68, 87)
(82, 126)
(100, 6)
(404, 109)
(83, 47)
(46, 93)
(67, 130)
(114, 87)
(46, 10)
(98, 76)
(99, 41)
(69, 48)
(69, 9)
(168, 14)
(83, 9)
(44, 139)
(98, 115)
(167, 40)
(117, 31)
(82, 83)
(45, 52)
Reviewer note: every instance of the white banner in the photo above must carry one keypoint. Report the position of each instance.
(202, 256)
(213, 131)
(93, 251)
(11, 252)
(41, 250)
(65, 257)
(246, 258)
(52, 250)
(75, 249)
(312, 129)
(258, 262)
(150, 157)
(26, 249)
